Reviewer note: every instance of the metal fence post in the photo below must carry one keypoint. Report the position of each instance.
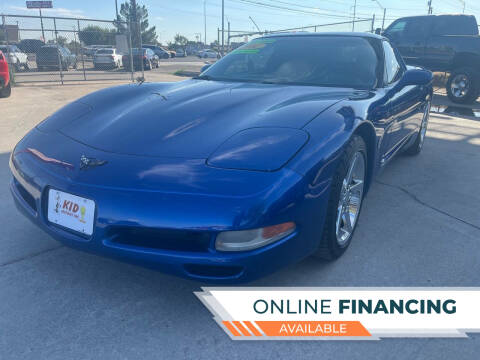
(58, 51)
(373, 23)
(82, 54)
(130, 45)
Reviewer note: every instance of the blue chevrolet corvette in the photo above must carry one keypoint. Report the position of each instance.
(261, 160)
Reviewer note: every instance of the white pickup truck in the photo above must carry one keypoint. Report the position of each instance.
(15, 56)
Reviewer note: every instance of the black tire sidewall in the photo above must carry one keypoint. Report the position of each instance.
(329, 248)
(6, 91)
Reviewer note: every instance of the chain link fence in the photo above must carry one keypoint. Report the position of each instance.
(58, 49)
(235, 38)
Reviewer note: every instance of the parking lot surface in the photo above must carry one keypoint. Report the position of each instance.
(420, 226)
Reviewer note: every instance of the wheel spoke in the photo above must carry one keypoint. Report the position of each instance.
(347, 221)
(356, 186)
(350, 198)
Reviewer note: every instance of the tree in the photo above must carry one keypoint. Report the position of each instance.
(138, 18)
(180, 40)
(96, 35)
(61, 40)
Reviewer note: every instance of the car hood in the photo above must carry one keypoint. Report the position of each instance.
(188, 119)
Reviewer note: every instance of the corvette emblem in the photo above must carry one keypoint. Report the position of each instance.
(86, 162)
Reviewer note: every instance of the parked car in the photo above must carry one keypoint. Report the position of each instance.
(30, 46)
(159, 51)
(5, 86)
(172, 53)
(52, 56)
(181, 53)
(92, 49)
(257, 163)
(16, 57)
(208, 54)
(147, 56)
(107, 58)
(445, 43)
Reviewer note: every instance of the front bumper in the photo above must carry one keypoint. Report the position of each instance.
(124, 216)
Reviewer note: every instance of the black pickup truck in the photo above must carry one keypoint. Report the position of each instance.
(444, 43)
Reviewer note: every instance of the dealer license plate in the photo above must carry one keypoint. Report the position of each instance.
(71, 211)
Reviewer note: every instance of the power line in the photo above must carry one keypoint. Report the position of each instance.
(284, 8)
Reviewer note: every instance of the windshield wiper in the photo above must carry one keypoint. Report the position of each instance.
(203, 77)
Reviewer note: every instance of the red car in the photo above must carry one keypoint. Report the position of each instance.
(5, 86)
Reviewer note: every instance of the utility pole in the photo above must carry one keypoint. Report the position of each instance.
(430, 9)
(354, 14)
(205, 21)
(41, 23)
(383, 21)
(223, 26)
(116, 8)
(384, 12)
(228, 38)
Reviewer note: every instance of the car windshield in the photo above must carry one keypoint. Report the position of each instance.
(337, 61)
(104, 51)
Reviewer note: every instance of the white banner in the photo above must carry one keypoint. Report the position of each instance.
(343, 313)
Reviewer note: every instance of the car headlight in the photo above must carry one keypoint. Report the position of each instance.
(252, 239)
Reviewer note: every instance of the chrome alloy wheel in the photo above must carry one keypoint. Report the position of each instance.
(460, 86)
(351, 196)
(423, 129)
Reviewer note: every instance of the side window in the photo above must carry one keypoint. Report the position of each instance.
(397, 28)
(392, 67)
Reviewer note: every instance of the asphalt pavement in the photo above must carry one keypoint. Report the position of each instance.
(420, 226)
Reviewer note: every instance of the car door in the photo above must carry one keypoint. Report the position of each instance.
(443, 41)
(409, 36)
(403, 107)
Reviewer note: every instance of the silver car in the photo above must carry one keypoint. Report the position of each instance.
(107, 58)
(15, 56)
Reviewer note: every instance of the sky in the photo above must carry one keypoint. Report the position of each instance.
(186, 17)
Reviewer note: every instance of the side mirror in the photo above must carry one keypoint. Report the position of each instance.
(416, 77)
(378, 31)
(205, 67)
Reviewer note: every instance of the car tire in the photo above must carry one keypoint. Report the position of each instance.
(353, 163)
(6, 91)
(463, 86)
(416, 147)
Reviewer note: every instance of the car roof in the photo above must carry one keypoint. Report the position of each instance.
(349, 34)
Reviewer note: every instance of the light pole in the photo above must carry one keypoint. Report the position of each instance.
(205, 21)
(384, 12)
(354, 14)
(223, 27)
